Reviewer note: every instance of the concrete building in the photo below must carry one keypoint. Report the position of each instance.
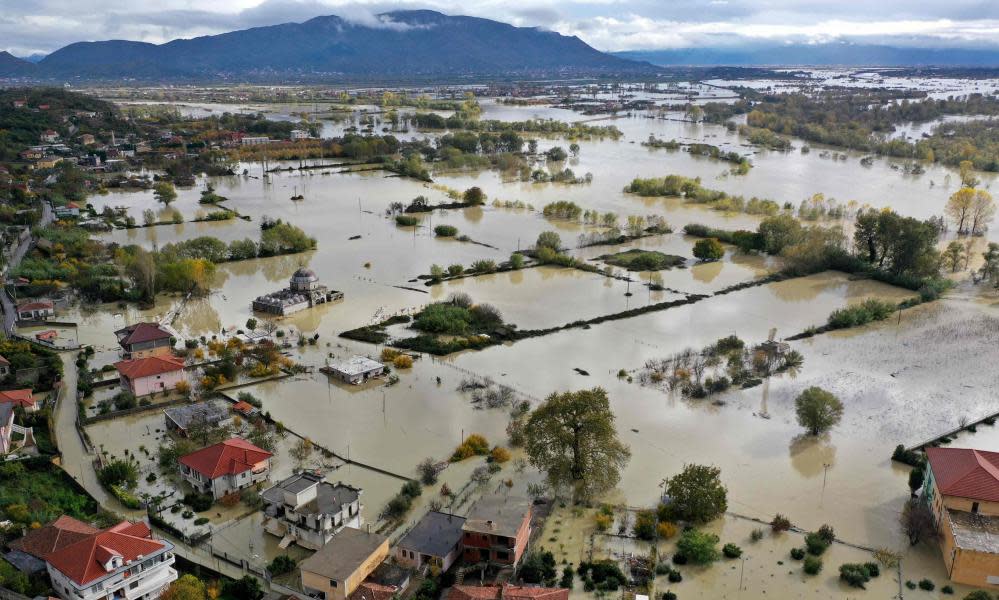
(225, 467)
(122, 562)
(309, 511)
(336, 570)
(35, 310)
(180, 419)
(962, 490)
(434, 541)
(299, 134)
(497, 529)
(303, 291)
(255, 140)
(144, 376)
(143, 340)
(355, 370)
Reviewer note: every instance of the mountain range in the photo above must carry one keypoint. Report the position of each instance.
(400, 45)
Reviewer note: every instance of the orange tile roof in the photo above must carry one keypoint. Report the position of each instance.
(35, 305)
(146, 367)
(225, 458)
(54, 536)
(82, 560)
(374, 591)
(506, 592)
(243, 407)
(20, 397)
(965, 473)
(141, 332)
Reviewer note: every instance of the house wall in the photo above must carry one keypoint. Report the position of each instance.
(150, 577)
(342, 589)
(970, 567)
(143, 386)
(147, 349)
(502, 549)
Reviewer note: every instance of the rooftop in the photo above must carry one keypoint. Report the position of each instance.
(436, 534)
(207, 412)
(225, 458)
(506, 592)
(141, 332)
(498, 514)
(54, 536)
(965, 473)
(355, 365)
(35, 305)
(18, 397)
(343, 554)
(330, 499)
(975, 531)
(146, 367)
(82, 561)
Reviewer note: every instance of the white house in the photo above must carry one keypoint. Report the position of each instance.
(123, 561)
(309, 511)
(255, 141)
(35, 310)
(299, 134)
(355, 370)
(225, 467)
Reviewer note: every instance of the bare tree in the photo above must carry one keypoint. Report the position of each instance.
(917, 521)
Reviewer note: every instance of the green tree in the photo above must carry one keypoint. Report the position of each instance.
(574, 149)
(516, 260)
(549, 239)
(251, 324)
(779, 232)
(572, 438)
(695, 494)
(164, 192)
(818, 410)
(187, 587)
(954, 257)
(990, 268)
(708, 249)
(474, 196)
(246, 588)
(698, 547)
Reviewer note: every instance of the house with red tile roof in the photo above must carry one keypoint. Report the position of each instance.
(961, 487)
(144, 376)
(123, 561)
(142, 340)
(35, 310)
(506, 592)
(225, 467)
(23, 398)
(53, 536)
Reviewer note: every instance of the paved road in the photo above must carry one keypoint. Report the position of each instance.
(9, 313)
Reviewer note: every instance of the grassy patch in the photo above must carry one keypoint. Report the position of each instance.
(643, 260)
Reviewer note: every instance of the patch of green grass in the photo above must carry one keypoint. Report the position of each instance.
(643, 260)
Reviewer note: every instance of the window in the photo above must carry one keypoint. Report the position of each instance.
(974, 507)
(333, 583)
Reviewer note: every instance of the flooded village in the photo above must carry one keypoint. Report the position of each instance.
(504, 341)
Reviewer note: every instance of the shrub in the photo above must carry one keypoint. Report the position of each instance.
(674, 576)
(645, 525)
(428, 471)
(666, 530)
(229, 500)
(411, 489)
(201, 520)
(281, 564)
(813, 564)
(756, 535)
(445, 231)
(668, 595)
(947, 590)
(403, 361)
(708, 249)
(698, 546)
(406, 220)
(815, 543)
(873, 570)
(854, 575)
(474, 445)
(499, 455)
(867, 311)
(602, 521)
(926, 584)
(731, 551)
(780, 523)
(198, 502)
(797, 553)
(119, 472)
(826, 532)
(679, 559)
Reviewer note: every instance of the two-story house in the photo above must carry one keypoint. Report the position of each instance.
(142, 340)
(309, 511)
(962, 489)
(144, 376)
(225, 467)
(336, 570)
(435, 541)
(122, 562)
(497, 529)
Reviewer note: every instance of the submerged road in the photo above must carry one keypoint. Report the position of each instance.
(9, 312)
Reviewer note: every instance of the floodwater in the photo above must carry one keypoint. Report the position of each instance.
(900, 381)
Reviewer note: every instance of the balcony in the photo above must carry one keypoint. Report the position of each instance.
(152, 580)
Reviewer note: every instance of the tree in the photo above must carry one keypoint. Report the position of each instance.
(474, 196)
(281, 564)
(694, 112)
(246, 588)
(917, 521)
(915, 479)
(696, 494)
(990, 269)
(708, 249)
(187, 587)
(571, 437)
(556, 154)
(954, 257)
(164, 192)
(818, 410)
(967, 171)
(251, 324)
(574, 149)
(983, 210)
(148, 217)
(698, 547)
(548, 239)
(958, 208)
(779, 232)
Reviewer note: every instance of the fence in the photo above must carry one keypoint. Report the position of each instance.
(133, 411)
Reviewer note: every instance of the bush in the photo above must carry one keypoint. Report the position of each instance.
(198, 502)
(708, 249)
(445, 231)
(499, 455)
(854, 575)
(666, 530)
(406, 220)
(668, 595)
(201, 520)
(698, 546)
(120, 473)
(797, 553)
(281, 565)
(813, 564)
(645, 525)
(868, 311)
(947, 590)
(403, 361)
(815, 543)
(674, 576)
(780, 523)
(873, 570)
(978, 595)
(679, 559)
(412, 489)
(756, 535)
(731, 551)
(474, 445)
(926, 584)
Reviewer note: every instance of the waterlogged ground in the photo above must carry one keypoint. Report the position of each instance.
(901, 382)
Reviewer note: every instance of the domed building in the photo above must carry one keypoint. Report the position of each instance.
(303, 291)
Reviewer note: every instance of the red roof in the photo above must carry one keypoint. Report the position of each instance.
(147, 367)
(21, 397)
(4, 361)
(965, 473)
(83, 561)
(35, 305)
(48, 334)
(56, 535)
(369, 590)
(507, 592)
(225, 458)
(243, 407)
(141, 332)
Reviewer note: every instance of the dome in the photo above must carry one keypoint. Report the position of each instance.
(304, 274)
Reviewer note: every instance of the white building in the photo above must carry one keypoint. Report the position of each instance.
(299, 134)
(121, 562)
(303, 291)
(225, 467)
(307, 510)
(355, 370)
(255, 141)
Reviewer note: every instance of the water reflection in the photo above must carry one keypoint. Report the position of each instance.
(811, 455)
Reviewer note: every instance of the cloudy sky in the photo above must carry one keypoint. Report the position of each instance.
(40, 26)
